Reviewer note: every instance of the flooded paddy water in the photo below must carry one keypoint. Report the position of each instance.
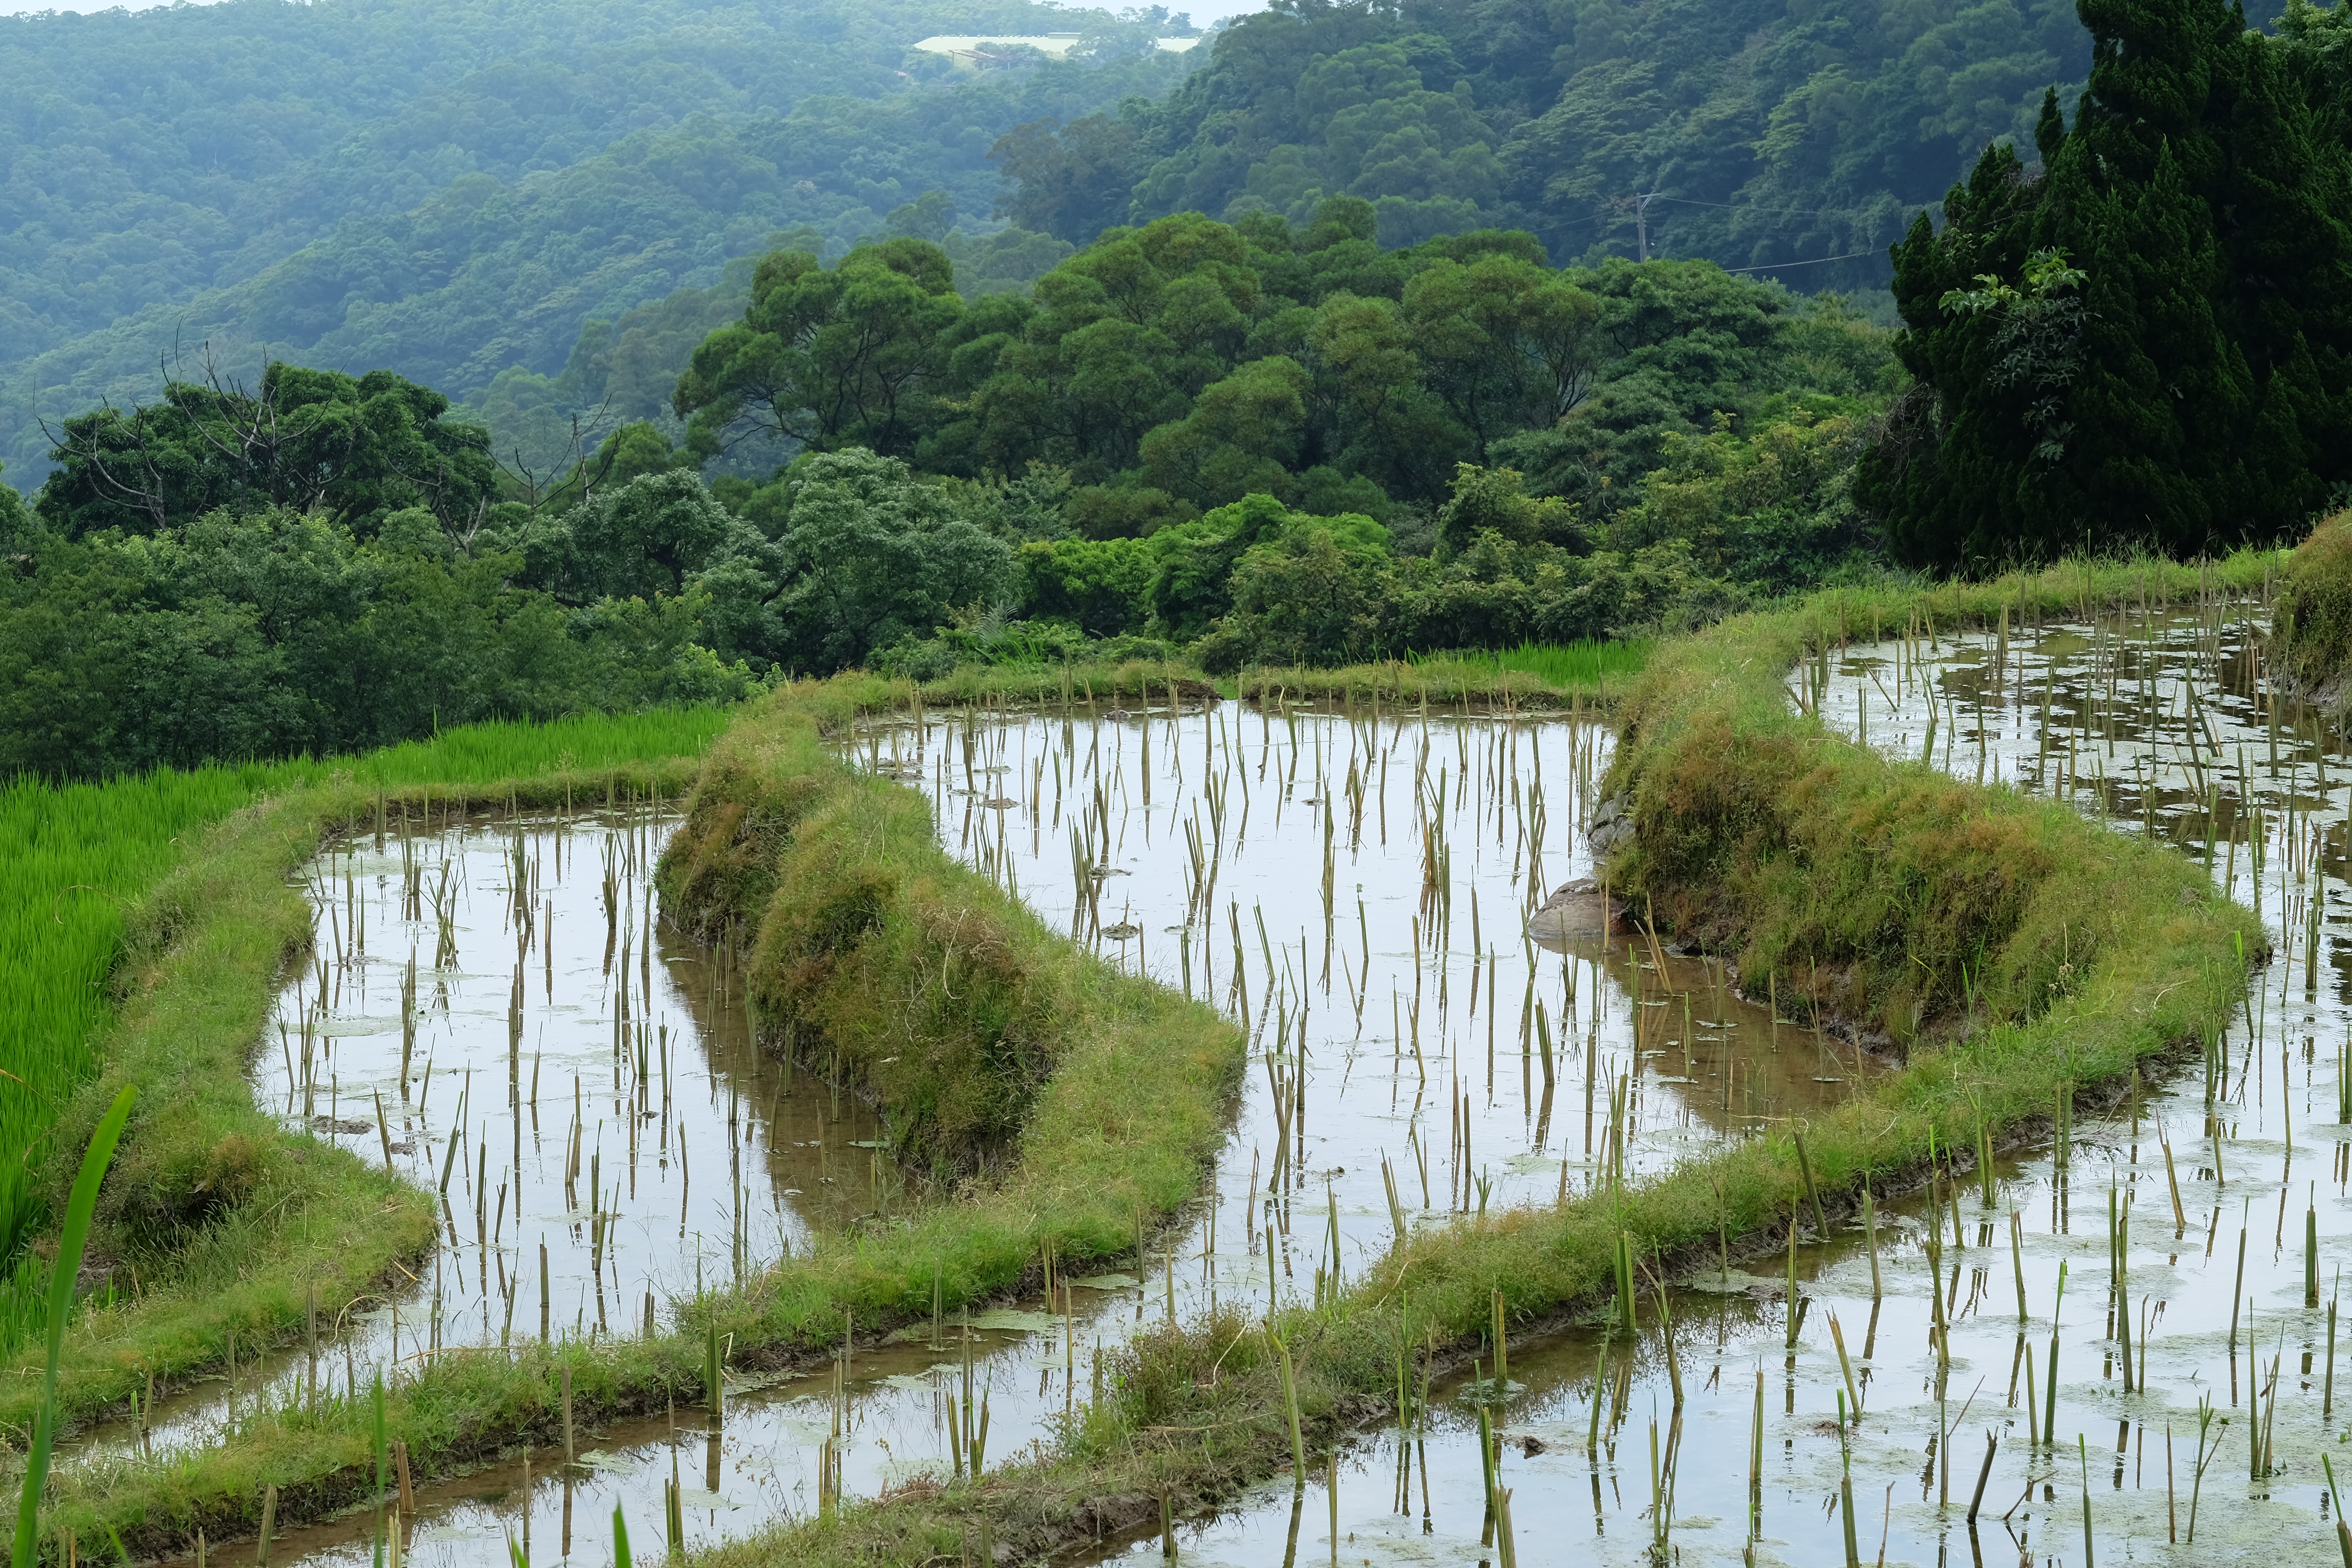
(1357, 891)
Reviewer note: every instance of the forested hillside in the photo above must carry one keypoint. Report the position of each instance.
(454, 191)
(1768, 133)
(451, 189)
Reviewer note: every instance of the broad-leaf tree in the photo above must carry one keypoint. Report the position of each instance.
(350, 448)
(828, 357)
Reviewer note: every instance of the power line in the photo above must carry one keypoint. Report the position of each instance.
(1816, 261)
(1629, 205)
(1634, 203)
(1774, 211)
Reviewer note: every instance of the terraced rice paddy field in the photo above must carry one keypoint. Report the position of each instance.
(1449, 1018)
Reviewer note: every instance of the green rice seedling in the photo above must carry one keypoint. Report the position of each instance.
(714, 1379)
(2049, 1389)
(2082, 1454)
(1845, 1488)
(1332, 1486)
(1290, 1403)
(1845, 1365)
(1870, 1236)
(1812, 1193)
(2311, 1253)
(2206, 1415)
(1756, 1464)
(2328, 1385)
(2343, 1531)
(1791, 1301)
(1587, 661)
(382, 1449)
(1486, 1464)
(70, 1242)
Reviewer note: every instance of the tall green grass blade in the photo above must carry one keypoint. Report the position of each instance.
(381, 1448)
(80, 1207)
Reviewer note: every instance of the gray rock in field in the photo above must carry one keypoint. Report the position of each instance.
(1576, 911)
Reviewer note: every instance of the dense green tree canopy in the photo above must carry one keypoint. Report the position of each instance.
(651, 536)
(870, 555)
(275, 632)
(350, 449)
(1178, 367)
(828, 357)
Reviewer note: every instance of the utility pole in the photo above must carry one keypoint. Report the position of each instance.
(1642, 220)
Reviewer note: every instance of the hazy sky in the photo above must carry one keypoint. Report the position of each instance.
(1203, 12)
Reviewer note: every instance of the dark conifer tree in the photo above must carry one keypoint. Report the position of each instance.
(2141, 341)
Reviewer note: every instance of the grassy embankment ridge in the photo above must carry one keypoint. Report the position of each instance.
(2090, 954)
(1534, 677)
(2311, 648)
(1067, 1103)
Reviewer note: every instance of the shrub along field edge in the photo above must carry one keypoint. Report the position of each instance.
(2311, 648)
(1739, 799)
(1127, 1088)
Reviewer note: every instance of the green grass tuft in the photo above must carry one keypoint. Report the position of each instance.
(2311, 654)
(1586, 662)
